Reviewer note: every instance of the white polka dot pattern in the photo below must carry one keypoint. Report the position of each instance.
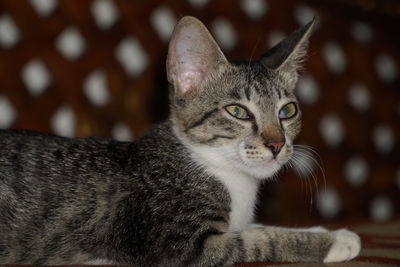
(255, 9)
(307, 89)
(163, 21)
(105, 13)
(132, 56)
(9, 33)
(356, 171)
(7, 112)
(274, 38)
(44, 7)
(335, 57)
(36, 76)
(361, 32)
(381, 208)
(224, 33)
(96, 89)
(304, 14)
(383, 138)
(121, 132)
(359, 97)
(332, 130)
(386, 68)
(63, 121)
(328, 203)
(70, 43)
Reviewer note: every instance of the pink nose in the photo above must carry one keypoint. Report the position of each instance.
(275, 147)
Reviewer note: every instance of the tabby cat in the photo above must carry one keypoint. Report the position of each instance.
(184, 194)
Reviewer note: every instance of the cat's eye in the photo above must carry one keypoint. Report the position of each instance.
(288, 111)
(238, 112)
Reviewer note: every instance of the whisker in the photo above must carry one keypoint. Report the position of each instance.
(312, 154)
(301, 170)
(306, 161)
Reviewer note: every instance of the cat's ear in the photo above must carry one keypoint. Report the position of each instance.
(288, 56)
(192, 55)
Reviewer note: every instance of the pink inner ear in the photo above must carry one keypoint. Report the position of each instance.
(193, 54)
(187, 79)
(190, 61)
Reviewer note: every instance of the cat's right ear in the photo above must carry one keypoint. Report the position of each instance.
(193, 54)
(288, 56)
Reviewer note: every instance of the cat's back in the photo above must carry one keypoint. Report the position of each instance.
(20, 149)
(52, 159)
(19, 140)
(47, 157)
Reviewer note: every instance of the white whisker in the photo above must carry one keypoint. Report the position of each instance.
(306, 161)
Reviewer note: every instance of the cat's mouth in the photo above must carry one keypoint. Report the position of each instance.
(260, 162)
(255, 156)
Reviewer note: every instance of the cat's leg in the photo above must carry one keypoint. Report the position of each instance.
(279, 244)
(347, 244)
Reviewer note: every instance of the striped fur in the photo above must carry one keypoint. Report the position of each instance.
(184, 194)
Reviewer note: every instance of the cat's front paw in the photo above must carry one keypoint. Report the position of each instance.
(346, 246)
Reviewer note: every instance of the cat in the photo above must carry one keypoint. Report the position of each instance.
(185, 193)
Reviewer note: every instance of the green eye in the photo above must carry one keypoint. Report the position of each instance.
(238, 112)
(288, 111)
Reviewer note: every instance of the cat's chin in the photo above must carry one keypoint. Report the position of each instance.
(261, 170)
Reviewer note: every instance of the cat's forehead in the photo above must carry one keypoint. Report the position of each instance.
(254, 82)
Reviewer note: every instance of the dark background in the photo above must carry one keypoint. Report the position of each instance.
(79, 68)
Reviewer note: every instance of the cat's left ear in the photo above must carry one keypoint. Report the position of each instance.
(193, 55)
(286, 58)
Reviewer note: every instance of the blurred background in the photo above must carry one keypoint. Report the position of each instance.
(97, 67)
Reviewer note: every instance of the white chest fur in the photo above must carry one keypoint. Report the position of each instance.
(241, 187)
(243, 192)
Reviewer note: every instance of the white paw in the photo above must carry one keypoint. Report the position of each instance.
(346, 246)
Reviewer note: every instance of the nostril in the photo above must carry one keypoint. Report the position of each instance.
(275, 147)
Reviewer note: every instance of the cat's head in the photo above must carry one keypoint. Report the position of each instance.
(242, 116)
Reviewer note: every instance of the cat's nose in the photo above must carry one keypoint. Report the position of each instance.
(275, 147)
